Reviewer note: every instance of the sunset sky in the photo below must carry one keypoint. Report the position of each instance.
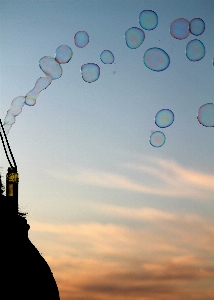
(115, 217)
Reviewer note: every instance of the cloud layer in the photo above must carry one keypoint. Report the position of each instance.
(163, 256)
(148, 176)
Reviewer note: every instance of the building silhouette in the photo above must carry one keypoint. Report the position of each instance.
(26, 274)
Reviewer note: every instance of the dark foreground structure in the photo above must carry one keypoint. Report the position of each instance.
(25, 273)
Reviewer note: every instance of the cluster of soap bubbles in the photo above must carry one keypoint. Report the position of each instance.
(155, 59)
(51, 66)
(181, 28)
(164, 118)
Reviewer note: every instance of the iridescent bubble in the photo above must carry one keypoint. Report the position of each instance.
(164, 118)
(7, 128)
(63, 54)
(156, 59)
(41, 84)
(206, 115)
(9, 119)
(179, 28)
(197, 26)
(50, 67)
(107, 57)
(90, 72)
(16, 105)
(134, 37)
(157, 139)
(81, 39)
(148, 19)
(195, 50)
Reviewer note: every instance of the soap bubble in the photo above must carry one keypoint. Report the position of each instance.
(90, 72)
(81, 39)
(15, 110)
(50, 67)
(157, 139)
(41, 84)
(63, 54)
(197, 26)
(179, 28)
(156, 59)
(164, 118)
(7, 128)
(206, 115)
(134, 37)
(148, 19)
(195, 50)
(107, 57)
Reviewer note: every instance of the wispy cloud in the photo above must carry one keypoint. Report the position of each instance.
(151, 176)
(172, 259)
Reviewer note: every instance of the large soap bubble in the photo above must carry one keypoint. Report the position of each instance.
(156, 59)
(107, 57)
(206, 115)
(90, 72)
(197, 26)
(195, 50)
(63, 54)
(157, 139)
(134, 37)
(164, 118)
(179, 28)
(81, 39)
(50, 67)
(148, 19)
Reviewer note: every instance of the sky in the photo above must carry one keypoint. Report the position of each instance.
(114, 217)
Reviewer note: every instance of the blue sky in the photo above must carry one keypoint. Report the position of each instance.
(87, 169)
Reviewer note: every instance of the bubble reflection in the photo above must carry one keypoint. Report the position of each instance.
(195, 50)
(206, 115)
(107, 57)
(197, 26)
(148, 19)
(156, 59)
(164, 118)
(179, 28)
(81, 39)
(134, 37)
(157, 139)
(90, 72)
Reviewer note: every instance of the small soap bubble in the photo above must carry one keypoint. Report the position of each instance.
(107, 57)
(157, 139)
(63, 54)
(16, 105)
(9, 119)
(148, 19)
(134, 37)
(50, 67)
(30, 101)
(195, 50)
(90, 72)
(197, 26)
(41, 84)
(81, 39)
(179, 29)
(164, 118)
(206, 115)
(156, 59)
(7, 128)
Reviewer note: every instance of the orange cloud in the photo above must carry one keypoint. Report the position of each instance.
(168, 258)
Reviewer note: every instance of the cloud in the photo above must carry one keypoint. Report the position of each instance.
(166, 258)
(149, 176)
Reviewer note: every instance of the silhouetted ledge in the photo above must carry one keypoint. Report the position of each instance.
(26, 274)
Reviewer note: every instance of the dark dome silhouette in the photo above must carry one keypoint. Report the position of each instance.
(26, 274)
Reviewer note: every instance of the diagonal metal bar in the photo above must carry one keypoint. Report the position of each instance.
(6, 146)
